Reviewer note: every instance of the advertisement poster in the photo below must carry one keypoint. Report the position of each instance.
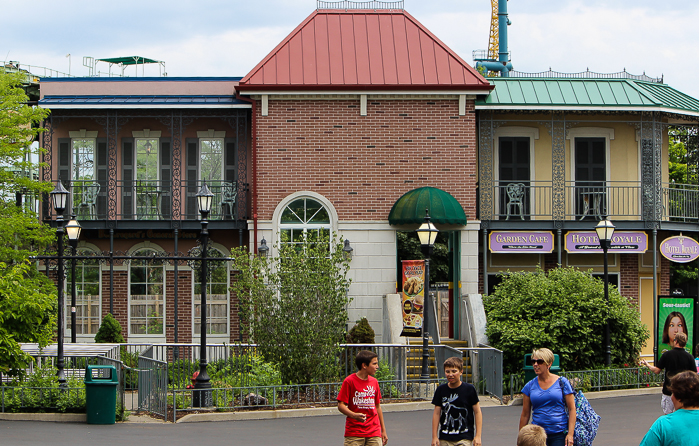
(413, 297)
(675, 314)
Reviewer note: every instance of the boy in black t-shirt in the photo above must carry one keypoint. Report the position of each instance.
(456, 407)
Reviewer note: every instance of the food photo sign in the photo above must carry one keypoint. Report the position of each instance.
(413, 297)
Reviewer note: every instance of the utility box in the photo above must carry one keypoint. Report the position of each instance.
(101, 383)
(529, 368)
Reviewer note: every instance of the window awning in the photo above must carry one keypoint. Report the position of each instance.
(443, 207)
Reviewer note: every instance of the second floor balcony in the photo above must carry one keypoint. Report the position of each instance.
(590, 200)
(153, 200)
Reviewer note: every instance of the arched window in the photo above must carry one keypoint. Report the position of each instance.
(146, 290)
(303, 217)
(216, 296)
(87, 295)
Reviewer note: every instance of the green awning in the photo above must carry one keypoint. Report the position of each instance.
(130, 60)
(443, 208)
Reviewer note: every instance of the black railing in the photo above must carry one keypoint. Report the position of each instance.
(589, 200)
(151, 200)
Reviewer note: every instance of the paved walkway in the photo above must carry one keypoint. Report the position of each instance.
(625, 419)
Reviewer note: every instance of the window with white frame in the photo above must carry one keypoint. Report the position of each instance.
(88, 309)
(304, 218)
(211, 159)
(216, 296)
(83, 167)
(83, 159)
(147, 159)
(146, 290)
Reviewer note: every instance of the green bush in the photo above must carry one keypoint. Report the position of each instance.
(40, 393)
(109, 331)
(386, 372)
(294, 305)
(563, 310)
(361, 333)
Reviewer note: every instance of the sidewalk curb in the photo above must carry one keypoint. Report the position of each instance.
(51, 417)
(294, 413)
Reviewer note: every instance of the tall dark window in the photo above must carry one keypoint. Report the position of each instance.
(514, 168)
(590, 177)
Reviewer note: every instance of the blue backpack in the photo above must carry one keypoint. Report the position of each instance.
(586, 420)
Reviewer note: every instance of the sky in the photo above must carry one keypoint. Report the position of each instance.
(229, 37)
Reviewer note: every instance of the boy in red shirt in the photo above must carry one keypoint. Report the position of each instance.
(359, 400)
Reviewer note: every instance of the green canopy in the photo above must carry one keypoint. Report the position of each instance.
(131, 60)
(443, 208)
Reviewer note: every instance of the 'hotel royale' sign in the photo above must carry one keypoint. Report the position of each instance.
(679, 249)
(622, 241)
(521, 241)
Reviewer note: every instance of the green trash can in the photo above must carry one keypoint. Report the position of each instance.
(529, 368)
(100, 394)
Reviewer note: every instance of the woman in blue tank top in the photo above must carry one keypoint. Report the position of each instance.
(544, 401)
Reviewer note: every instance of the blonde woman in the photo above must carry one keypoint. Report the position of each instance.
(544, 400)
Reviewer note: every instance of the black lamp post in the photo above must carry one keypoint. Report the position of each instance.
(59, 196)
(427, 234)
(73, 229)
(605, 230)
(202, 384)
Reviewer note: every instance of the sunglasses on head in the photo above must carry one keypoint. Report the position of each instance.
(538, 361)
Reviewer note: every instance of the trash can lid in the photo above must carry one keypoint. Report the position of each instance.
(101, 374)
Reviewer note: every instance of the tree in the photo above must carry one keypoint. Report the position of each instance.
(294, 306)
(109, 331)
(563, 310)
(27, 314)
(27, 298)
(18, 129)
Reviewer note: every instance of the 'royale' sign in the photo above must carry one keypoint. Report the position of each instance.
(679, 249)
(622, 241)
(521, 241)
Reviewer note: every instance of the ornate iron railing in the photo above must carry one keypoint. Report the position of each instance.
(587, 74)
(348, 4)
(590, 200)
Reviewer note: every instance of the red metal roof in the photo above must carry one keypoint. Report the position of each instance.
(362, 49)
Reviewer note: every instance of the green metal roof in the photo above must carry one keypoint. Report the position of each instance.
(586, 94)
(442, 206)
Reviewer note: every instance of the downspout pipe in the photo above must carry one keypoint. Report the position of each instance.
(253, 148)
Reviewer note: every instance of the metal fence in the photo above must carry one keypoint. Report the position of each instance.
(152, 384)
(296, 396)
(602, 379)
(486, 362)
(41, 399)
(610, 379)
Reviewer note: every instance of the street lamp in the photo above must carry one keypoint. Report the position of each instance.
(73, 229)
(263, 249)
(427, 234)
(59, 196)
(605, 230)
(202, 384)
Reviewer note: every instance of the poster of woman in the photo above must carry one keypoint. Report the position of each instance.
(675, 315)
